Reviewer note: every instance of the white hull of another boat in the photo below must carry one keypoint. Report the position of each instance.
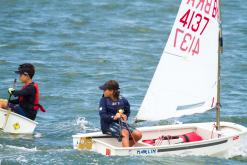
(213, 143)
(11, 122)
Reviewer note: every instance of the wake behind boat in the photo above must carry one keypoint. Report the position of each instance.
(186, 81)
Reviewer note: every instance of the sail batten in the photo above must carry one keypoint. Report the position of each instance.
(172, 54)
(184, 107)
(185, 81)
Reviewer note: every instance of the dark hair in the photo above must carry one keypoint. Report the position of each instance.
(116, 93)
(114, 86)
(27, 68)
(111, 85)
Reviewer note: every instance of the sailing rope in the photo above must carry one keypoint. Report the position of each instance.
(160, 139)
(131, 134)
(168, 138)
(214, 126)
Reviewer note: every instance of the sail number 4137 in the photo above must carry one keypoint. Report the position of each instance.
(194, 21)
(187, 41)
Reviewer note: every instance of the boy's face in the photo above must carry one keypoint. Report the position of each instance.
(24, 78)
(108, 93)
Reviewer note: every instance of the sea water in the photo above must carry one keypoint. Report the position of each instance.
(78, 45)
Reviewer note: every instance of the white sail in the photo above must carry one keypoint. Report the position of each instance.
(185, 80)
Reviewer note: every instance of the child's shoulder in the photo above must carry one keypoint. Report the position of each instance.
(123, 98)
(103, 99)
(32, 84)
(29, 86)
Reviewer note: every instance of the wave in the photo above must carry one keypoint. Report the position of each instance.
(37, 135)
(239, 151)
(3, 45)
(84, 124)
(21, 148)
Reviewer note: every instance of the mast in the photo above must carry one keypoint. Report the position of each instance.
(220, 50)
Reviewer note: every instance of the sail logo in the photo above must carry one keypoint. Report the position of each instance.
(209, 7)
(16, 126)
(146, 151)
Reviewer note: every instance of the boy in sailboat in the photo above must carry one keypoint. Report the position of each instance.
(114, 111)
(27, 103)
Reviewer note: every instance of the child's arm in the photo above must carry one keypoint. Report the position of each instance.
(103, 111)
(16, 101)
(30, 90)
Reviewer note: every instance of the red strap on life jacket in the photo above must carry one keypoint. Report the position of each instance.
(40, 107)
(36, 100)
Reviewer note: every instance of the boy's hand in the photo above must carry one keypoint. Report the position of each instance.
(11, 90)
(117, 116)
(124, 117)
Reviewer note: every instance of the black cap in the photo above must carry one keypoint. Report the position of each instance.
(26, 69)
(111, 85)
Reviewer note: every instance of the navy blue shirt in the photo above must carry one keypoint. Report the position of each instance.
(109, 108)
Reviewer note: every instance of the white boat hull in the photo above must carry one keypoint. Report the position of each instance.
(214, 143)
(11, 122)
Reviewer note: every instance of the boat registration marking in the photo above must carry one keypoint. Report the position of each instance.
(143, 152)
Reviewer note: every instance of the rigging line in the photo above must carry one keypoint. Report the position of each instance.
(214, 126)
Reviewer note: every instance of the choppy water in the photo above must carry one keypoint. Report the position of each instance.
(77, 45)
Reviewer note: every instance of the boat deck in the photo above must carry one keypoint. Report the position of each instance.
(204, 133)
